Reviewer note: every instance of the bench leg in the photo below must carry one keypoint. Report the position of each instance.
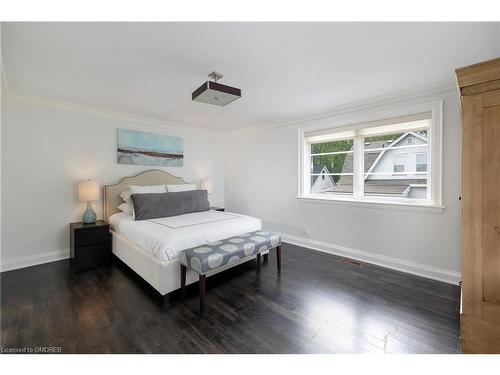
(266, 257)
(183, 281)
(203, 286)
(278, 258)
(165, 301)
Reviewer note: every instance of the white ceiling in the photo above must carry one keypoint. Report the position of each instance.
(284, 69)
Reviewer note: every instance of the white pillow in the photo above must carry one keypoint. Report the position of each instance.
(126, 208)
(135, 189)
(180, 187)
(126, 196)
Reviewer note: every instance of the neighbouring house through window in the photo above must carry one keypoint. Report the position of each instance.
(388, 161)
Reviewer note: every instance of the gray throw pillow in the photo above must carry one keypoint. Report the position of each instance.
(156, 205)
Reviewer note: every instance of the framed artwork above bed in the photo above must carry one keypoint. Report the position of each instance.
(141, 148)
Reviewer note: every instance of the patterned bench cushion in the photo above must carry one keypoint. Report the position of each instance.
(230, 250)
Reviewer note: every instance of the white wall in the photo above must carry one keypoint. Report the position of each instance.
(261, 180)
(47, 147)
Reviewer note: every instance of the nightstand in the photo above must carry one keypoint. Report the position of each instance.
(90, 245)
(218, 209)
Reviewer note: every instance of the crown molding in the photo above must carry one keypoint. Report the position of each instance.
(396, 97)
(437, 88)
(22, 96)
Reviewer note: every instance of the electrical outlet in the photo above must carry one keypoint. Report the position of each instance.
(305, 229)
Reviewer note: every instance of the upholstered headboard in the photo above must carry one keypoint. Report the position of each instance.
(150, 177)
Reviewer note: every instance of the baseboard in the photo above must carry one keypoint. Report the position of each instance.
(397, 264)
(33, 260)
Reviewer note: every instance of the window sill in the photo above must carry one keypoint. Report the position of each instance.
(376, 203)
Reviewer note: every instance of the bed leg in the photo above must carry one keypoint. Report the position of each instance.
(258, 258)
(278, 258)
(183, 281)
(203, 286)
(266, 257)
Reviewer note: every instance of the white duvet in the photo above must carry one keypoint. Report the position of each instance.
(166, 237)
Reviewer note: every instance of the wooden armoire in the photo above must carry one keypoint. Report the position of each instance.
(480, 205)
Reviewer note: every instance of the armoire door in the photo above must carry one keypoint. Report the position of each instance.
(480, 318)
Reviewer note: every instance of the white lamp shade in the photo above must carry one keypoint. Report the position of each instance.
(206, 184)
(88, 190)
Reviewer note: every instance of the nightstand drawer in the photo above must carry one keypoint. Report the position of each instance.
(91, 255)
(89, 237)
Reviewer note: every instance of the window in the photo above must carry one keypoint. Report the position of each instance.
(333, 162)
(384, 161)
(400, 163)
(421, 162)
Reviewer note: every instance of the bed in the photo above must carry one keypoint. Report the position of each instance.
(151, 248)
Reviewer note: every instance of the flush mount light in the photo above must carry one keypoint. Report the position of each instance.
(215, 93)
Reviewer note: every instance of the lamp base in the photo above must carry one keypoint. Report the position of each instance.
(89, 216)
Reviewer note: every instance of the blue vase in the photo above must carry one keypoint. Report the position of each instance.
(89, 215)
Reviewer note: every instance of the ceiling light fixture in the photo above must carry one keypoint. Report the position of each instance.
(212, 92)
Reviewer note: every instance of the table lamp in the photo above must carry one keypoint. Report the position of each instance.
(206, 184)
(88, 191)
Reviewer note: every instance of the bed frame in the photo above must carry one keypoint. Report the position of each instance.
(164, 277)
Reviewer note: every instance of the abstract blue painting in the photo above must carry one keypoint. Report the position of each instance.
(135, 147)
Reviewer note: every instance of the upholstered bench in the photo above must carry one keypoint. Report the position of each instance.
(214, 255)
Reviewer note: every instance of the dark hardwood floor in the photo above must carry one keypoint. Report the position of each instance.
(317, 305)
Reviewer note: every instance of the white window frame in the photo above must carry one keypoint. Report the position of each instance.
(380, 118)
